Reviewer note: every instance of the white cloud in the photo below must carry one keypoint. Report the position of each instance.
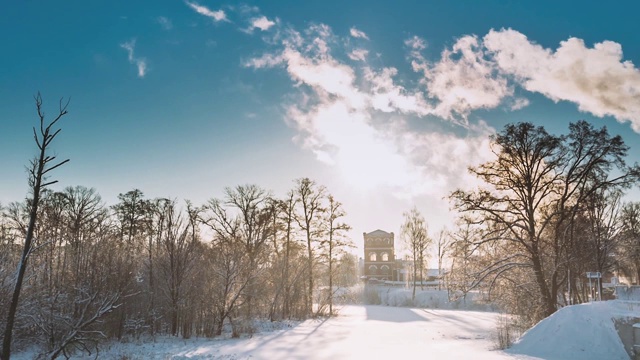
(217, 15)
(387, 96)
(462, 80)
(416, 44)
(519, 103)
(356, 117)
(325, 75)
(358, 54)
(336, 115)
(358, 33)
(140, 63)
(265, 61)
(262, 23)
(165, 23)
(596, 79)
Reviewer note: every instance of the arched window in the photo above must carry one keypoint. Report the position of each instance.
(373, 270)
(384, 270)
(385, 257)
(373, 257)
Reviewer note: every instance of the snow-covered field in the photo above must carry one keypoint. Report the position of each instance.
(583, 332)
(358, 332)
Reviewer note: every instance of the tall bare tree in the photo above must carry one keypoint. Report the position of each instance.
(443, 244)
(416, 237)
(310, 196)
(335, 239)
(40, 167)
(629, 250)
(532, 196)
(242, 226)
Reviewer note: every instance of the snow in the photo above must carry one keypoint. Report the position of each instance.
(585, 331)
(432, 299)
(375, 331)
(358, 332)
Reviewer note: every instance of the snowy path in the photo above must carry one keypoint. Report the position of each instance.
(359, 332)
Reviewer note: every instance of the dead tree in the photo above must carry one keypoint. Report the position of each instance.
(40, 167)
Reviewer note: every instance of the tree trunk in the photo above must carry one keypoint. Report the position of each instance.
(548, 302)
(415, 274)
(310, 273)
(330, 275)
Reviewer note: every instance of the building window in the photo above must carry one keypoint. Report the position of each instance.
(384, 269)
(373, 270)
(373, 257)
(385, 257)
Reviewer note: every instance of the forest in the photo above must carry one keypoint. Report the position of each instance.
(88, 271)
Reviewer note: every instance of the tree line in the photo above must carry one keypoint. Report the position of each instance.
(75, 271)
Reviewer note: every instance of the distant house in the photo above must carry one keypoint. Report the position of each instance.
(379, 256)
(380, 264)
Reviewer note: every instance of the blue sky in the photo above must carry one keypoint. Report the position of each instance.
(386, 103)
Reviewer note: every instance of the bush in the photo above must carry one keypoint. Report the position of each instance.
(507, 331)
(371, 296)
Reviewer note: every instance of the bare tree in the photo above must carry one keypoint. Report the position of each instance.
(40, 167)
(444, 242)
(533, 195)
(460, 279)
(335, 240)
(629, 250)
(602, 216)
(287, 209)
(414, 232)
(133, 215)
(242, 226)
(310, 196)
(178, 241)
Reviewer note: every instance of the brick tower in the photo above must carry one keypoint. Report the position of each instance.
(379, 257)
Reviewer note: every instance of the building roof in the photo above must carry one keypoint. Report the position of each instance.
(378, 233)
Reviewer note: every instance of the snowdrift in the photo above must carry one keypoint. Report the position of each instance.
(585, 331)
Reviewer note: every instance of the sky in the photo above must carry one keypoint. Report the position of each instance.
(385, 103)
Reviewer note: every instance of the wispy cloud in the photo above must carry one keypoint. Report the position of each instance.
(358, 54)
(140, 63)
(519, 103)
(165, 23)
(358, 33)
(267, 60)
(217, 15)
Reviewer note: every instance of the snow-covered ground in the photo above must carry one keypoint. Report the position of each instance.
(358, 332)
(582, 332)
